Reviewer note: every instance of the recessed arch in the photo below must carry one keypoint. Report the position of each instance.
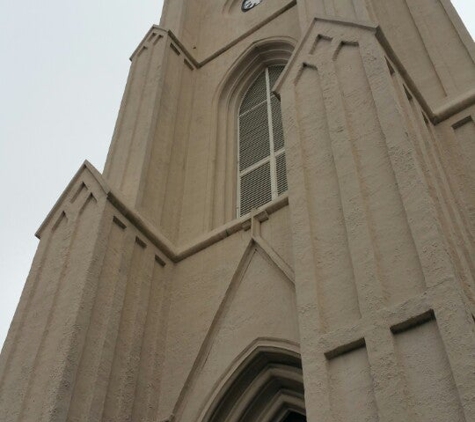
(268, 52)
(266, 386)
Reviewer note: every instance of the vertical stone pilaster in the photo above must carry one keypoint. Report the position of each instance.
(353, 173)
(134, 128)
(36, 382)
(149, 144)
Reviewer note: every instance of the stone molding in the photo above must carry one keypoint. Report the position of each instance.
(175, 253)
(451, 107)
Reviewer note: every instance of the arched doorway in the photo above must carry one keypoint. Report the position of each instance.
(266, 387)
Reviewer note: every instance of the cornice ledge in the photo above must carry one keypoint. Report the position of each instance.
(145, 38)
(358, 23)
(162, 243)
(170, 250)
(184, 49)
(189, 56)
(355, 23)
(450, 106)
(229, 229)
(174, 38)
(85, 167)
(147, 229)
(453, 106)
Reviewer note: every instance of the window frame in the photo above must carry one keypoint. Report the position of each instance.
(273, 155)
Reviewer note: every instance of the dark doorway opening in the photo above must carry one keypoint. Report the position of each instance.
(295, 417)
(268, 385)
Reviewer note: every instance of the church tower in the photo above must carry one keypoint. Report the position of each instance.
(283, 231)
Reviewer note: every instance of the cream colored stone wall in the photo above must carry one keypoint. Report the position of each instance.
(148, 300)
(88, 335)
(363, 157)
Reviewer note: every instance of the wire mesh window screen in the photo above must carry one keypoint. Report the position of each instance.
(274, 73)
(254, 136)
(262, 171)
(256, 94)
(255, 188)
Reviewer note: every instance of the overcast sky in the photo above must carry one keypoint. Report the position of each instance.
(63, 72)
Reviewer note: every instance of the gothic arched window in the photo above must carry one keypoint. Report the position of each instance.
(261, 162)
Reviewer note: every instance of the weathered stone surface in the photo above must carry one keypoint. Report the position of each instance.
(349, 298)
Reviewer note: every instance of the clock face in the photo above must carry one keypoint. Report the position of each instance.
(249, 4)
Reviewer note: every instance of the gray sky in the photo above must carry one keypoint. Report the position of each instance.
(63, 70)
(64, 67)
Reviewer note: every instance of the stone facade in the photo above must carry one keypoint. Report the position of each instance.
(349, 298)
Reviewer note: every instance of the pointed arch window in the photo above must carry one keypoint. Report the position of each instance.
(261, 163)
